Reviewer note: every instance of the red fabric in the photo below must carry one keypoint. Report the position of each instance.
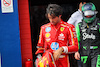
(70, 48)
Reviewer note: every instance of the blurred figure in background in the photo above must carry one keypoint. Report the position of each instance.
(76, 17)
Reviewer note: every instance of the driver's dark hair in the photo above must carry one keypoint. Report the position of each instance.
(54, 9)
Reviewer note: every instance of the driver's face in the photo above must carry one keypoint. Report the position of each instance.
(54, 19)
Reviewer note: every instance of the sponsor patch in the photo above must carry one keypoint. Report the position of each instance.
(47, 35)
(54, 46)
(61, 36)
(62, 28)
(48, 29)
(90, 36)
(94, 28)
(48, 39)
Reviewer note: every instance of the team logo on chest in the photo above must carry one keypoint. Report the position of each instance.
(61, 36)
(62, 29)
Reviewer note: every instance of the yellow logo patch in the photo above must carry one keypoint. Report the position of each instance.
(47, 34)
(62, 29)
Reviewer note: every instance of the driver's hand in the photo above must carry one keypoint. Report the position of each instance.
(77, 56)
(57, 53)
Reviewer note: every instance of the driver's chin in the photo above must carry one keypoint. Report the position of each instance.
(53, 23)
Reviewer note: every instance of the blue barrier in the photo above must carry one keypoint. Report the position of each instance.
(10, 38)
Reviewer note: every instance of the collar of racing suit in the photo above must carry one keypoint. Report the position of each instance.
(94, 23)
(57, 25)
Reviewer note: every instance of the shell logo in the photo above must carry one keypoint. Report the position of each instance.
(47, 35)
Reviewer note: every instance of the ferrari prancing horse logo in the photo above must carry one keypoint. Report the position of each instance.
(62, 29)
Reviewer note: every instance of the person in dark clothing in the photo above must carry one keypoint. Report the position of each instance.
(88, 34)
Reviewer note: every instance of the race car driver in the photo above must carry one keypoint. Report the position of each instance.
(88, 33)
(57, 36)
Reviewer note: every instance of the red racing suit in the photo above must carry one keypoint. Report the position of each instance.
(55, 36)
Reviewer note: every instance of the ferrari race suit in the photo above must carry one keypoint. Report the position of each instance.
(89, 43)
(55, 36)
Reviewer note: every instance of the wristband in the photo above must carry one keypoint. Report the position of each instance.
(65, 49)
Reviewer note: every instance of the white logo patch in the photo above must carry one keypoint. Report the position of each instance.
(85, 36)
(61, 36)
(84, 30)
(94, 28)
